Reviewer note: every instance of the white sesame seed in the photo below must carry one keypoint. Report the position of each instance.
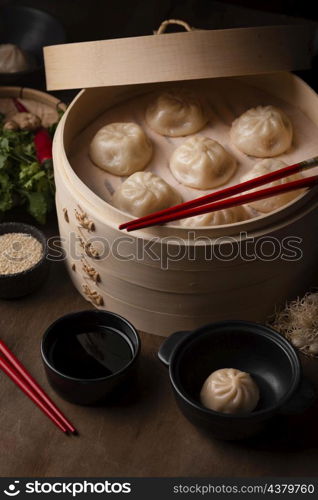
(19, 252)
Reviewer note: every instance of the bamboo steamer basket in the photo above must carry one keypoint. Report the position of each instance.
(37, 96)
(159, 295)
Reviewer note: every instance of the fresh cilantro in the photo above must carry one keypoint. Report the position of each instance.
(38, 205)
(23, 180)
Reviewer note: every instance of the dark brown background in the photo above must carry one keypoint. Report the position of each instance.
(98, 19)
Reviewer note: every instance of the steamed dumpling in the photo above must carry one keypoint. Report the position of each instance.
(121, 148)
(263, 132)
(230, 391)
(202, 163)
(175, 113)
(143, 193)
(13, 59)
(219, 218)
(274, 202)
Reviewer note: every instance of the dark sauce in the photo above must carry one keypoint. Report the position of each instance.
(91, 355)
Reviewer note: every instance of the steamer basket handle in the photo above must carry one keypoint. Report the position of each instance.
(163, 26)
(169, 346)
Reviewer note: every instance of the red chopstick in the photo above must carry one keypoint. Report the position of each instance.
(228, 203)
(21, 377)
(19, 106)
(224, 193)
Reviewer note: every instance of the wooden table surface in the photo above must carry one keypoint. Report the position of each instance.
(144, 436)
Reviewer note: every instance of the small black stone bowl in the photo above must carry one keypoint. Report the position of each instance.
(87, 390)
(250, 347)
(13, 286)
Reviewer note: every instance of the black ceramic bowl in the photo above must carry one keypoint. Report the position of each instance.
(31, 30)
(17, 285)
(250, 347)
(88, 391)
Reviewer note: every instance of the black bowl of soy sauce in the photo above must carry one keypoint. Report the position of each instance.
(89, 355)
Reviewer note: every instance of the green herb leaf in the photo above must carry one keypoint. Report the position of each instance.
(23, 180)
(37, 205)
(6, 192)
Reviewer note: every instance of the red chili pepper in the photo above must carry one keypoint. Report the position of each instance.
(43, 145)
(19, 106)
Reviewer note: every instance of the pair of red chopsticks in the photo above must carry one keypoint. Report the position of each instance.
(12, 367)
(220, 200)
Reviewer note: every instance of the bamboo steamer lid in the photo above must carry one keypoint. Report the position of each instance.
(189, 55)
